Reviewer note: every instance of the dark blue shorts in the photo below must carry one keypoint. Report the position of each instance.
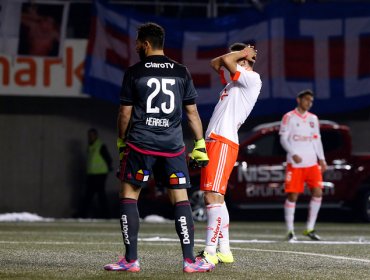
(170, 172)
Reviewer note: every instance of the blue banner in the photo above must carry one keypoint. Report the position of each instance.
(321, 46)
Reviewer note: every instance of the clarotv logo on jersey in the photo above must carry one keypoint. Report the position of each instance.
(159, 65)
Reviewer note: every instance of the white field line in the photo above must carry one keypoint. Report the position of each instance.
(289, 252)
(306, 254)
(166, 239)
(159, 239)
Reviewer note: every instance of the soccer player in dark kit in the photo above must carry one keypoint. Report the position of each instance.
(154, 92)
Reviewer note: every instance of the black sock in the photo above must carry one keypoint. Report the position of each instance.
(185, 228)
(129, 219)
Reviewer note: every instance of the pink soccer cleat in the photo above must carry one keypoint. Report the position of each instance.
(123, 265)
(198, 266)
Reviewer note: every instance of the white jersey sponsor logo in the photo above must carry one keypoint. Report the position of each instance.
(159, 65)
(301, 138)
(184, 230)
(125, 229)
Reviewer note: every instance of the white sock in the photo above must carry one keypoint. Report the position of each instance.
(289, 209)
(213, 227)
(223, 239)
(313, 210)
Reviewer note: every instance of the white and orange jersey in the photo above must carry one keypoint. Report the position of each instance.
(300, 135)
(236, 102)
(225, 76)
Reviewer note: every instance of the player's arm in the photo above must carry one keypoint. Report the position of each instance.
(284, 139)
(194, 121)
(198, 157)
(123, 121)
(229, 60)
(125, 108)
(317, 144)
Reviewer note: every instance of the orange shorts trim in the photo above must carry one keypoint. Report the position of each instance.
(224, 140)
(296, 178)
(222, 158)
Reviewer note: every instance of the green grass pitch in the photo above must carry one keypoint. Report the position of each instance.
(71, 249)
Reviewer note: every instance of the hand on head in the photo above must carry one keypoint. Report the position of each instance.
(250, 53)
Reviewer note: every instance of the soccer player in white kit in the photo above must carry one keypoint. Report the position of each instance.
(300, 137)
(236, 102)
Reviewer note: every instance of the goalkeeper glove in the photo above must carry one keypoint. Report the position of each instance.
(121, 145)
(199, 157)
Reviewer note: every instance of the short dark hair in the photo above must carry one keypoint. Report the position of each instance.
(153, 33)
(93, 130)
(304, 93)
(238, 47)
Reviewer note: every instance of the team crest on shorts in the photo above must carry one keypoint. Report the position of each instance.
(142, 175)
(177, 178)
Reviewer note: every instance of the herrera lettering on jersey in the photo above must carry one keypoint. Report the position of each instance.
(157, 122)
(159, 65)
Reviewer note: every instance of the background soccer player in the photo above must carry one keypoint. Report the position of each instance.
(300, 137)
(236, 102)
(153, 94)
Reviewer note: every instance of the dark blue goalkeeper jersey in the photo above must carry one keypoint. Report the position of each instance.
(157, 87)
